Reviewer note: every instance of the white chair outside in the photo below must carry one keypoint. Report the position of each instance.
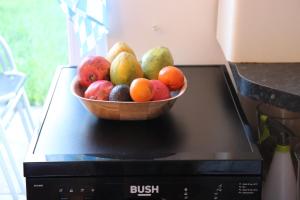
(7, 177)
(5, 168)
(13, 100)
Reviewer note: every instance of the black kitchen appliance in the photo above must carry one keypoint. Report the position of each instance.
(201, 149)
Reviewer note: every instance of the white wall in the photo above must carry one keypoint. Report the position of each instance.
(260, 31)
(186, 27)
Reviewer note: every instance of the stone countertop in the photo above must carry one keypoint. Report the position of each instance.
(273, 83)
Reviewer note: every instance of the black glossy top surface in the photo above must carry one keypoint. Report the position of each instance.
(203, 124)
(274, 83)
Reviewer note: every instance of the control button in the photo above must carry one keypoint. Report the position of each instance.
(82, 190)
(71, 190)
(61, 190)
(93, 190)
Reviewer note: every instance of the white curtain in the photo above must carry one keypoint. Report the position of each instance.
(86, 26)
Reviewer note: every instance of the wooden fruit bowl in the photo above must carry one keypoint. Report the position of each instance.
(117, 110)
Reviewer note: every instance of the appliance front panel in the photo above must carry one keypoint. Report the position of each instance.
(145, 188)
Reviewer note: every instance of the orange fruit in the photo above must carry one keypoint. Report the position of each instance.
(141, 90)
(172, 77)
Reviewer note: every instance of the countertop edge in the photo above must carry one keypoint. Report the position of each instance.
(264, 93)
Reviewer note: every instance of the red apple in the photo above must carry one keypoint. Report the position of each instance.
(99, 90)
(160, 90)
(93, 68)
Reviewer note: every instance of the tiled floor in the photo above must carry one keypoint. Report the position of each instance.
(18, 142)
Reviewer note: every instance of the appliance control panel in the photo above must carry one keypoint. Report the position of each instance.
(145, 188)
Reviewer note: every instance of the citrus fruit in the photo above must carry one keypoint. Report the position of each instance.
(172, 77)
(120, 93)
(141, 90)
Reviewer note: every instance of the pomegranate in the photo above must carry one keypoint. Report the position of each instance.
(93, 68)
(99, 90)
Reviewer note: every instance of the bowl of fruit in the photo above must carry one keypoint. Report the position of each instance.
(118, 87)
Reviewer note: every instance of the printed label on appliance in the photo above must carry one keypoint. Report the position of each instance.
(144, 190)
